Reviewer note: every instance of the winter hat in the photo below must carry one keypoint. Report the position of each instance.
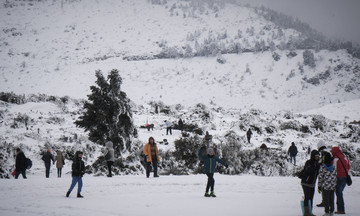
(48, 150)
(210, 150)
(313, 154)
(109, 144)
(328, 159)
(321, 145)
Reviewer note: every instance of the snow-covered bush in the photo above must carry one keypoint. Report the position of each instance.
(186, 150)
(309, 58)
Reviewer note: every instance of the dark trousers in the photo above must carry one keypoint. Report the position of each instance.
(308, 195)
(148, 167)
(22, 172)
(328, 200)
(248, 138)
(109, 165)
(47, 167)
(59, 172)
(340, 186)
(168, 129)
(210, 183)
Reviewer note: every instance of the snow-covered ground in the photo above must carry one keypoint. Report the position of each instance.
(167, 195)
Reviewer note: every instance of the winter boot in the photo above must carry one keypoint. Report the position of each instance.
(207, 194)
(212, 194)
(79, 196)
(68, 194)
(307, 211)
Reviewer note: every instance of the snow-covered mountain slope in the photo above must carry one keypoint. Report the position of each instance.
(54, 48)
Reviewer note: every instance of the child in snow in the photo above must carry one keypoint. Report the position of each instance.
(327, 183)
(78, 170)
(209, 168)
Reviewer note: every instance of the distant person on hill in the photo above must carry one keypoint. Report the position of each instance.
(109, 156)
(77, 172)
(60, 162)
(210, 161)
(292, 152)
(47, 158)
(327, 183)
(308, 179)
(168, 127)
(342, 167)
(20, 164)
(248, 135)
(181, 124)
(322, 149)
(152, 156)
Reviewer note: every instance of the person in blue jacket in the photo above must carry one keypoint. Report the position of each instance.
(210, 161)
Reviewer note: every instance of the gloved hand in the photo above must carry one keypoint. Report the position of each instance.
(319, 189)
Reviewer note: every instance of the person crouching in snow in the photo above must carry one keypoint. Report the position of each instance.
(78, 170)
(327, 183)
(210, 161)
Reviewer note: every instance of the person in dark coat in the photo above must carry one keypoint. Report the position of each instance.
(308, 180)
(77, 172)
(210, 161)
(248, 135)
(292, 152)
(20, 164)
(47, 158)
(181, 124)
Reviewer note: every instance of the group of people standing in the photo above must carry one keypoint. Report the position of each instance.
(331, 171)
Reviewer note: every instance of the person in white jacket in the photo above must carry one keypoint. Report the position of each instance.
(109, 156)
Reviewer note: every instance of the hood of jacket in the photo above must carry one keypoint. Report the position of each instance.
(109, 144)
(336, 151)
(313, 154)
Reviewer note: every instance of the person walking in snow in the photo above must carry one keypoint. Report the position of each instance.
(47, 158)
(181, 124)
(292, 152)
(109, 156)
(322, 149)
(77, 172)
(152, 156)
(20, 164)
(168, 127)
(248, 135)
(342, 167)
(327, 183)
(210, 161)
(60, 162)
(308, 180)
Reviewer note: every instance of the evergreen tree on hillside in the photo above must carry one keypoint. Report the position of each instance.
(108, 115)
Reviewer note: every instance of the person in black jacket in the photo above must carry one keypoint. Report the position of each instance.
(292, 152)
(20, 164)
(248, 135)
(47, 158)
(78, 170)
(308, 180)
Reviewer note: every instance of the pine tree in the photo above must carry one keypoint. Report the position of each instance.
(108, 115)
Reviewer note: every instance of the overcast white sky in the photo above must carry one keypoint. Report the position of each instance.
(336, 19)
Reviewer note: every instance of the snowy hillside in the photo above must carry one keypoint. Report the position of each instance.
(169, 51)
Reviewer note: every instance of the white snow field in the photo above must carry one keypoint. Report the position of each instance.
(167, 195)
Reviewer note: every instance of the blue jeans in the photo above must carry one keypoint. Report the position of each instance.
(340, 186)
(76, 179)
(293, 157)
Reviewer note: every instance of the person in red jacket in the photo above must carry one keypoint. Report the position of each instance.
(342, 167)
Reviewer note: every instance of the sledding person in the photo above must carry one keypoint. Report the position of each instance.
(152, 156)
(342, 167)
(60, 162)
(248, 135)
(292, 152)
(20, 164)
(78, 170)
(327, 183)
(210, 161)
(308, 180)
(109, 156)
(322, 149)
(47, 158)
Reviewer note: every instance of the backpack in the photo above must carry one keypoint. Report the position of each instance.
(28, 163)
